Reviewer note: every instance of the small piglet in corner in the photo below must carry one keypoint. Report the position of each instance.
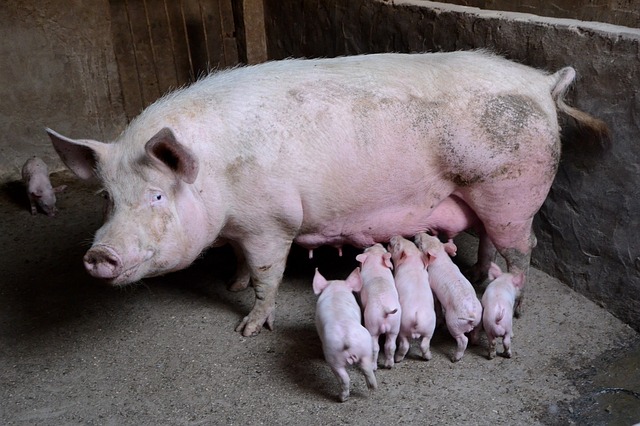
(338, 320)
(463, 311)
(35, 176)
(416, 298)
(379, 297)
(498, 302)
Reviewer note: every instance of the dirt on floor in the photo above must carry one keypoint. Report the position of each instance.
(164, 351)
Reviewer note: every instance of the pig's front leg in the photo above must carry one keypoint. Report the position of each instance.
(486, 254)
(266, 260)
(242, 275)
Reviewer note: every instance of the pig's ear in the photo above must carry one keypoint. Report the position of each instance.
(319, 283)
(361, 257)
(450, 248)
(354, 280)
(165, 149)
(80, 155)
(386, 260)
(494, 271)
(425, 259)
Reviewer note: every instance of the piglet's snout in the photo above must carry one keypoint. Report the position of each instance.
(103, 262)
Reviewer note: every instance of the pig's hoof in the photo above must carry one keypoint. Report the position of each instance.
(491, 355)
(249, 327)
(426, 356)
(252, 326)
(506, 354)
(398, 358)
(343, 397)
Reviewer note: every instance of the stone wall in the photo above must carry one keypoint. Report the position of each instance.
(619, 12)
(588, 230)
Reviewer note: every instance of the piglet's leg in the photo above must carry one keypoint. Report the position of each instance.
(506, 342)
(389, 349)
(266, 259)
(403, 348)
(424, 347)
(376, 351)
(343, 378)
(366, 366)
(462, 346)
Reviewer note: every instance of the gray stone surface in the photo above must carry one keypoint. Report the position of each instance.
(588, 228)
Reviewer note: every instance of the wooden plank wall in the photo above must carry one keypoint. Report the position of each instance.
(163, 44)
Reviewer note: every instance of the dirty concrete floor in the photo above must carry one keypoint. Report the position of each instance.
(74, 351)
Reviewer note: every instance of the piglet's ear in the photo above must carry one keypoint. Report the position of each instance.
(386, 260)
(319, 283)
(361, 257)
(354, 280)
(80, 156)
(164, 148)
(494, 271)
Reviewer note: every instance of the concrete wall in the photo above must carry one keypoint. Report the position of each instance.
(57, 70)
(619, 12)
(588, 230)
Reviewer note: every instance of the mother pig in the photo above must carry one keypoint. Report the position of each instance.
(352, 150)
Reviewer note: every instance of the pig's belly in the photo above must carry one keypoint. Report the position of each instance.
(363, 230)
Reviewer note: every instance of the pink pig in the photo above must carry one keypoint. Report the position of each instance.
(382, 311)
(463, 311)
(35, 175)
(416, 298)
(498, 302)
(338, 320)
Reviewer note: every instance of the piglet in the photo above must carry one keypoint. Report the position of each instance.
(379, 297)
(498, 302)
(418, 320)
(338, 320)
(35, 175)
(462, 308)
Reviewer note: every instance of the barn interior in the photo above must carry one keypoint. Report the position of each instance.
(164, 351)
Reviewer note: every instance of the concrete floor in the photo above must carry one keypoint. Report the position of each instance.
(73, 351)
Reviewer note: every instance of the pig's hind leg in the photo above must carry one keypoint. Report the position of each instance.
(343, 379)
(424, 347)
(403, 347)
(389, 349)
(462, 341)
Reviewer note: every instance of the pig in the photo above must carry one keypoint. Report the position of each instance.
(338, 320)
(333, 151)
(462, 309)
(380, 303)
(35, 175)
(418, 320)
(498, 302)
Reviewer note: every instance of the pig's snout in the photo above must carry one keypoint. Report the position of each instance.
(103, 262)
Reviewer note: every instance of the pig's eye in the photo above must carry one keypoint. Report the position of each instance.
(157, 198)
